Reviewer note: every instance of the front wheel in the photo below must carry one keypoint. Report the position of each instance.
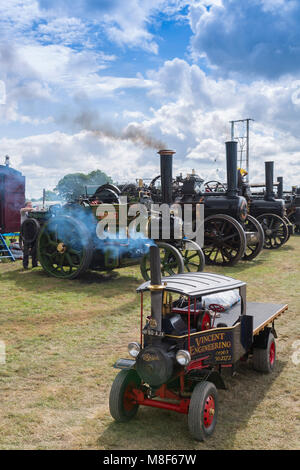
(255, 238)
(203, 410)
(193, 256)
(121, 403)
(65, 247)
(290, 227)
(171, 261)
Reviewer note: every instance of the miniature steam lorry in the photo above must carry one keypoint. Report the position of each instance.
(185, 344)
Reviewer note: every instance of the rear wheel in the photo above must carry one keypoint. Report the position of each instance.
(121, 403)
(203, 410)
(264, 359)
(275, 229)
(224, 240)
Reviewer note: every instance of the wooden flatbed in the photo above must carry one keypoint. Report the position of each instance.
(262, 313)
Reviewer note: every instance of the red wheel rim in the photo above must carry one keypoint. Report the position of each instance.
(128, 400)
(209, 411)
(205, 323)
(272, 354)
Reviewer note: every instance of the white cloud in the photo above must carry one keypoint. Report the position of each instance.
(124, 22)
(2, 92)
(46, 158)
(198, 107)
(192, 117)
(44, 67)
(252, 39)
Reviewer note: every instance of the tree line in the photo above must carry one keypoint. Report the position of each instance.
(73, 185)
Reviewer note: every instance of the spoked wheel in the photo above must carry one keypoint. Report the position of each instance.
(65, 247)
(203, 410)
(121, 401)
(224, 240)
(255, 238)
(275, 229)
(290, 227)
(170, 259)
(193, 256)
(264, 359)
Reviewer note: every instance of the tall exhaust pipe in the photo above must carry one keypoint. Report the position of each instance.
(166, 163)
(231, 166)
(280, 187)
(269, 172)
(156, 288)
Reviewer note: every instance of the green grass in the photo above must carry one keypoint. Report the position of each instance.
(62, 338)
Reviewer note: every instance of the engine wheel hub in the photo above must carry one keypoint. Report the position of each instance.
(61, 248)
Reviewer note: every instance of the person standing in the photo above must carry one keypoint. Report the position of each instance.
(29, 248)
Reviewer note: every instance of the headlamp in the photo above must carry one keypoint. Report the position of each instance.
(134, 349)
(183, 357)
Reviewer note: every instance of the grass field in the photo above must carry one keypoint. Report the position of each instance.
(62, 338)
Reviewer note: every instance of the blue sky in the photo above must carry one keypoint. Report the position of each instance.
(80, 78)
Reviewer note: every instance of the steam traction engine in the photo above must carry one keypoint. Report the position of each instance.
(230, 233)
(191, 252)
(68, 244)
(184, 344)
(292, 203)
(268, 210)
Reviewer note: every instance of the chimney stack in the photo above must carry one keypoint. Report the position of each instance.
(269, 173)
(231, 165)
(156, 288)
(166, 163)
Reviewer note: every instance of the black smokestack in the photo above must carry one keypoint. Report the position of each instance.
(231, 166)
(269, 172)
(280, 187)
(166, 163)
(156, 291)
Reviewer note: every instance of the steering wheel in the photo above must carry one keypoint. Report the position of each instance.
(152, 184)
(216, 308)
(214, 186)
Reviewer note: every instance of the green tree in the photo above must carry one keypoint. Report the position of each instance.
(73, 185)
(51, 195)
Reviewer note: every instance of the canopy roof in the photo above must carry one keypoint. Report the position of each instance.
(196, 284)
